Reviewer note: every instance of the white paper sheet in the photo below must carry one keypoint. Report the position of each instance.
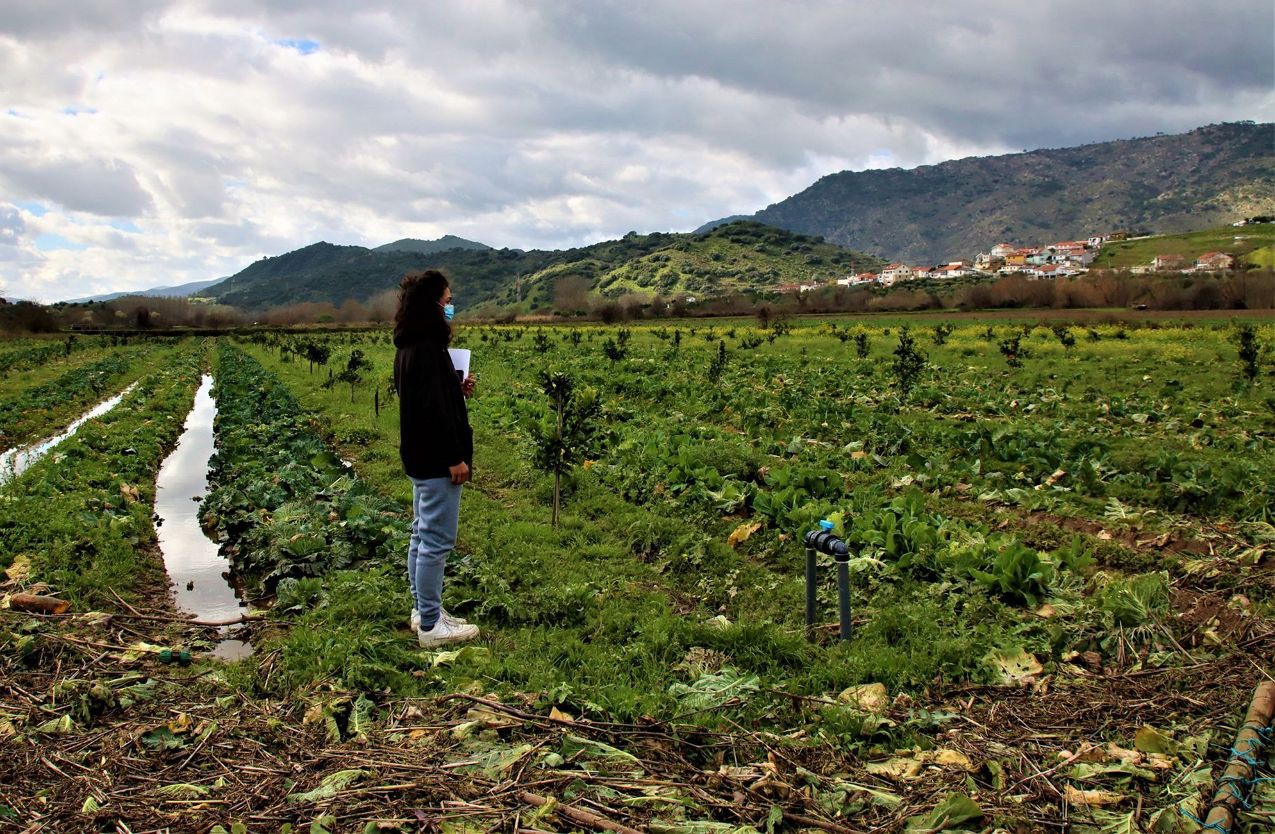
(460, 361)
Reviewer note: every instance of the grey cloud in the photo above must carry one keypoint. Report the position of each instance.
(201, 193)
(28, 81)
(524, 123)
(55, 18)
(194, 172)
(12, 228)
(448, 34)
(106, 187)
(244, 236)
(1030, 61)
(11, 225)
(997, 74)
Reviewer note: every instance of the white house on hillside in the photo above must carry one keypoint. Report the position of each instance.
(894, 273)
(953, 269)
(1061, 270)
(1214, 262)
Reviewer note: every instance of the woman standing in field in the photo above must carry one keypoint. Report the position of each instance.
(436, 445)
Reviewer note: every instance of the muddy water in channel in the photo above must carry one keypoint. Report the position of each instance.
(16, 461)
(193, 562)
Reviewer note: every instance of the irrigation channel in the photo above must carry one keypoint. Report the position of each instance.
(20, 458)
(195, 566)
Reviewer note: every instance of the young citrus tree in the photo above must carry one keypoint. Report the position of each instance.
(568, 433)
(352, 373)
(1250, 351)
(317, 353)
(908, 363)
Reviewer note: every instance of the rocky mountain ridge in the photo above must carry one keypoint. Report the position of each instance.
(1207, 177)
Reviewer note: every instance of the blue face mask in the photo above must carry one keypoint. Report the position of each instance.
(449, 310)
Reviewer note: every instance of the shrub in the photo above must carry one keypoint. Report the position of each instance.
(908, 363)
(1013, 351)
(718, 365)
(1250, 351)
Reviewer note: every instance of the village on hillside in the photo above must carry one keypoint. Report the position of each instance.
(1055, 260)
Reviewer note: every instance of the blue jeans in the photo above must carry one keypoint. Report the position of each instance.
(435, 518)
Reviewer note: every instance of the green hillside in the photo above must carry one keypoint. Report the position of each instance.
(734, 257)
(324, 272)
(744, 256)
(1244, 242)
(534, 285)
(429, 247)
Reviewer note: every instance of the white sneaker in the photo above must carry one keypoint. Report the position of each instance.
(443, 614)
(444, 632)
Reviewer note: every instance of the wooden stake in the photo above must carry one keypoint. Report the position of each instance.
(1226, 800)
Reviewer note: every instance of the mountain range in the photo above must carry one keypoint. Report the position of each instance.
(299, 261)
(736, 257)
(931, 214)
(1208, 177)
(177, 291)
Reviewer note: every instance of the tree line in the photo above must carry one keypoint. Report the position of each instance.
(1246, 290)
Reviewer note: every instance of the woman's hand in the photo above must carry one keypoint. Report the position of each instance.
(460, 473)
(467, 387)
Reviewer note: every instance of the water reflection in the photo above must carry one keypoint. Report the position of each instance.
(17, 460)
(194, 564)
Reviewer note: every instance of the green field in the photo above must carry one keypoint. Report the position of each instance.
(1061, 563)
(47, 384)
(1249, 244)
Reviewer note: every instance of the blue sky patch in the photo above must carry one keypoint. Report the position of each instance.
(303, 45)
(75, 110)
(125, 226)
(38, 209)
(50, 242)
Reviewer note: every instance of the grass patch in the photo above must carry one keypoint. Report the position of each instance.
(82, 513)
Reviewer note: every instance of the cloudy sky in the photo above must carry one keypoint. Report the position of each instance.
(153, 142)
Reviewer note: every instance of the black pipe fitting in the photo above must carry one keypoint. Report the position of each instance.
(825, 541)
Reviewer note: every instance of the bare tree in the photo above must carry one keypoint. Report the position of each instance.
(571, 294)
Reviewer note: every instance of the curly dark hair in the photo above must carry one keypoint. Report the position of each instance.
(419, 316)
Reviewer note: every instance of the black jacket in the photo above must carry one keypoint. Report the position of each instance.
(434, 433)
